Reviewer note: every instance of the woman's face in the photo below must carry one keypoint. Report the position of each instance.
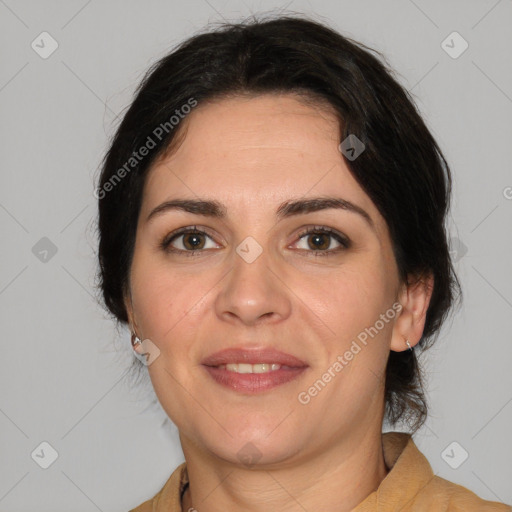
(257, 281)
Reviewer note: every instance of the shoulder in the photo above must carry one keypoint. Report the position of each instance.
(412, 485)
(147, 506)
(444, 496)
(168, 499)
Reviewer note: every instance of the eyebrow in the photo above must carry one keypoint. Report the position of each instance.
(212, 208)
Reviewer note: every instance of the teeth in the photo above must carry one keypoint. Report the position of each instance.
(250, 368)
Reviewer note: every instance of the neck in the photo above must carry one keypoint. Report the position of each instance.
(338, 478)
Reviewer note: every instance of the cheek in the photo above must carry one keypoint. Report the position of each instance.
(171, 304)
(160, 299)
(349, 298)
(165, 304)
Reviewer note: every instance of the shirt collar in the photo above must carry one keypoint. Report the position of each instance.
(409, 472)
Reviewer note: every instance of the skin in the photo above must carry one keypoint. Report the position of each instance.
(252, 154)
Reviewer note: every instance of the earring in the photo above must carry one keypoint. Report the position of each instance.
(408, 344)
(135, 340)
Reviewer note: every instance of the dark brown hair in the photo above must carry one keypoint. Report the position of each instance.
(402, 168)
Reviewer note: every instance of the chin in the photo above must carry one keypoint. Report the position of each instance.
(256, 444)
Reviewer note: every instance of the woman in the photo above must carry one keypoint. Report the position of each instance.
(271, 218)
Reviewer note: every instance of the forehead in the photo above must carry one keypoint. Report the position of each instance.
(256, 152)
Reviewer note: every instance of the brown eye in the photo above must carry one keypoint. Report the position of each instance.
(188, 241)
(319, 241)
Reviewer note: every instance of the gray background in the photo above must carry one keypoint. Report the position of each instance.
(64, 360)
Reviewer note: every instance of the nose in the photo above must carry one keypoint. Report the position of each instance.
(253, 293)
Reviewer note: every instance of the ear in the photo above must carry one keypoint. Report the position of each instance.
(127, 299)
(132, 324)
(414, 297)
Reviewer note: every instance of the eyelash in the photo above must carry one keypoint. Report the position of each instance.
(345, 242)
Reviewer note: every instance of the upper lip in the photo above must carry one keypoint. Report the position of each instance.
(253, 356)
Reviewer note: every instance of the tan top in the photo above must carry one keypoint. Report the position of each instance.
(410, 485)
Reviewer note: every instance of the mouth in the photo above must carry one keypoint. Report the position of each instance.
(253, 371)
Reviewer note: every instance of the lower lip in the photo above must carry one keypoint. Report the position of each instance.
(253, 382)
